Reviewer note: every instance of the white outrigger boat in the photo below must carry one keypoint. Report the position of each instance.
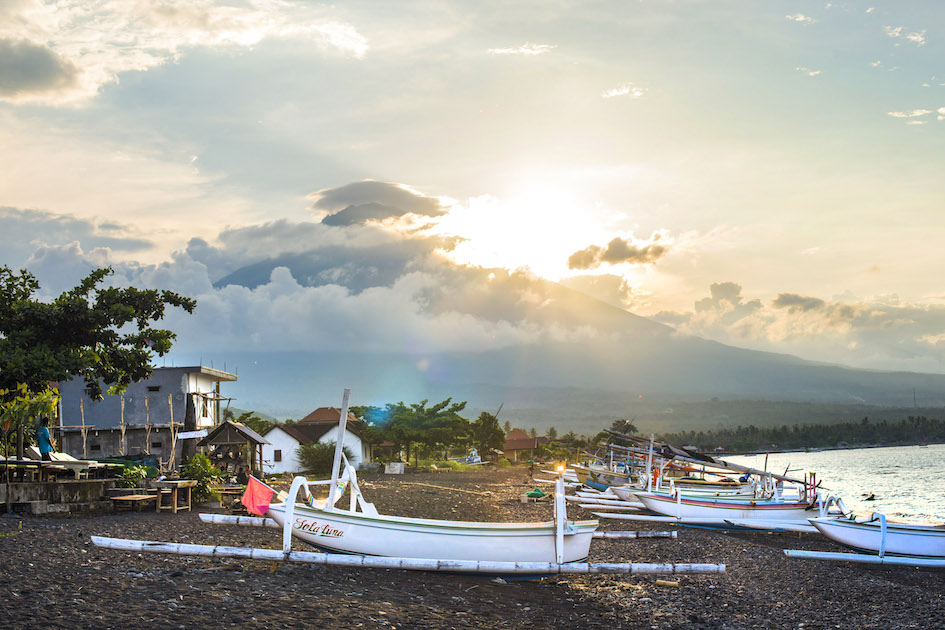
(366, 538)
(362, 530)
(880, 541)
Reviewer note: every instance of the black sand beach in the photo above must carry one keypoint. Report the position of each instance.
(52, 576)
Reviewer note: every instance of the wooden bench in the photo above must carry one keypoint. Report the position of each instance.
(133, 500)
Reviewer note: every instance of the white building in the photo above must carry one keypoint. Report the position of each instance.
(280, 455)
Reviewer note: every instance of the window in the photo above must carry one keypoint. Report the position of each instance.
(157, 445)
(95, 448)
(154, 388)
(277, 455)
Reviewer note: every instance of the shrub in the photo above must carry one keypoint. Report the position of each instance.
(503, 463)
(200, 469)
(317, 458)
(130, 476)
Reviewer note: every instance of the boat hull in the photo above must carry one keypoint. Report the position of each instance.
(381, 535)
(599, 477)
(688, 507)
(924, 541)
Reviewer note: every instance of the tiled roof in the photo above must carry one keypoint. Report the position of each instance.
(328, 414)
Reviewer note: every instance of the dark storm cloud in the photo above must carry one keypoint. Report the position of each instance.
(359, 202)
(28, 68)
(359, 215)
(617, 251)
(795, 302)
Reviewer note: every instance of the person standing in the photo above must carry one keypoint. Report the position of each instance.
(45, 441)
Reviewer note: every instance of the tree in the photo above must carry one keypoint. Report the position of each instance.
(254, 422)
(92, 332)
(99, 334)
(439, 426)
(486, 433)
(552, 433)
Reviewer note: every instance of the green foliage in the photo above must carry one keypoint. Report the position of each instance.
(486, 434)
(911, 430)
(419, 429)
(19, 406)
(130, 476)
(91, 332)
(317, 458)
(254, 422)
(451, 465)
(502, 462)
(200, 469)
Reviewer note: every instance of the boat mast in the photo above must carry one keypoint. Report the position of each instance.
(339, 446)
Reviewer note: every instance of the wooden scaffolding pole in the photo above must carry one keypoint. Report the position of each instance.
(170, 460)
(85, 432)
(122, 426)
(147, 426)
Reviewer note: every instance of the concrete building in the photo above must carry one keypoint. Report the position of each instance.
(139, 421)
(281, 454)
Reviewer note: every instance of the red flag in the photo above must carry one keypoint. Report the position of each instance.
(257, 496)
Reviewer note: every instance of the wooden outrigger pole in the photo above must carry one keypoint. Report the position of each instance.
(413, 564)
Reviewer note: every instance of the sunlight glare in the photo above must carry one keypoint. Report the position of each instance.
(538, 230)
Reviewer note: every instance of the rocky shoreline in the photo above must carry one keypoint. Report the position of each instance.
(53, 577)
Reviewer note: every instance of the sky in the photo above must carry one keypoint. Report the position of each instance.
(764, 174)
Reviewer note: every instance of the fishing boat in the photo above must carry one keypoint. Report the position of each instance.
(703, 510)
(362, 530)
(880, 536)
(600, 477)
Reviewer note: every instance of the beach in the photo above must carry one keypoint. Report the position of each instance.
(52, 576)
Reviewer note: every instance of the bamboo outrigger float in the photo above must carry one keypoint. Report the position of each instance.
(366, 538)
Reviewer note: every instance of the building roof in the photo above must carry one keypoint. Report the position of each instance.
(215, 375)
(309, 432)
(232, 433)
(521, 444)
(330, 415)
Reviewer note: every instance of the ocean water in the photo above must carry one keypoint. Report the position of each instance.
(907, 481)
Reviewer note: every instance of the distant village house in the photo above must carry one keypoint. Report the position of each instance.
(520, 445)
(280, 455)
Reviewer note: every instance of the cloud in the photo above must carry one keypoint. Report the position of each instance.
(608, 288)
(618, 251)
(366, 201)
(912, 115)
(795, 302)
(808, 71)
(525, 49)
(883, 332)
(896, 32)
(428, 306)
(800, 17)
(627, 89)
(26, 230)
(28, 69)
(68, 49)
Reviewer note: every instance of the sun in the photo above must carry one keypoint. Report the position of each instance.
(537, 229)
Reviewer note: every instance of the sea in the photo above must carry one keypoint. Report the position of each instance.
(905, 481)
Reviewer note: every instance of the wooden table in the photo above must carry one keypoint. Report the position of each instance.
(135, 500)
(174, 486)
